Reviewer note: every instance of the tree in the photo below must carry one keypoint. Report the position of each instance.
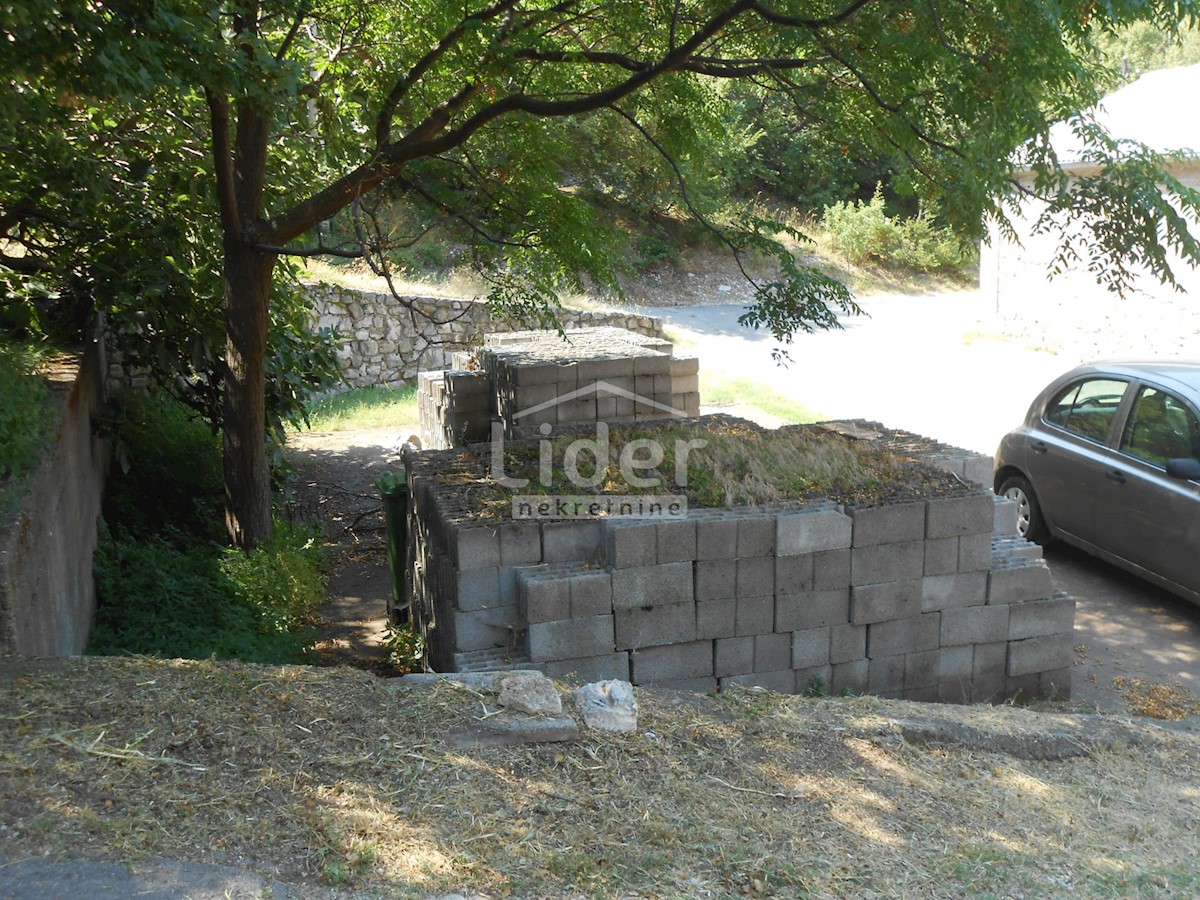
(259, 121)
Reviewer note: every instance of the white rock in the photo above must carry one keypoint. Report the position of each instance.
(607, 705)
(532, 693)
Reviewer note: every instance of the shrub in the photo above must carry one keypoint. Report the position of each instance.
(862, 232)
(24, 428)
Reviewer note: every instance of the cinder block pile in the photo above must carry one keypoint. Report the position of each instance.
(455, 408)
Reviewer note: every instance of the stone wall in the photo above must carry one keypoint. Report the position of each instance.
(47, 592)
(935, 600)
(388, 344)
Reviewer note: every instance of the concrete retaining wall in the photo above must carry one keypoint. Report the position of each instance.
(47, 593)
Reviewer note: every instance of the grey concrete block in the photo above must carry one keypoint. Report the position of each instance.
(881, 602)
(630, 544)
(952, 591)
(485, 629)
(887, 562)
(676, 540)
(1004, 522)
(535, 373)
(733, 656)
(591, 594)
(1020, 583)
(690, 660)
(794, 574)
(921, 670)
(903, 636)
(811, 530)
(682, 366)
(685, 384)
(975, 553)
(831, 570)
(782, 681)
(957, 516)
(716, 538)
(941, 556)
(478, 588)
(812, 610)
(670, 623)
(974, 625)
(477, 547)
(814, 680)
(658, 364)
(1040, 654)
(755, 536)
(1035, 618)
(585, 670)
(893, 524)
(847, 642)
(988, 671)
(570, 638)
(979, 469)
(810, 648)
(652, 585)
(520, 543)
(1056, 684)
(956, 663)
(689, 685)
(716, 618)
(544, 596)
(755, 615)
(755, 576)
(526, 397)
(849, 677)
(772, 651)
(716, 579)
(954, 690)
(885, 675)
(923, 694)
(510, 588)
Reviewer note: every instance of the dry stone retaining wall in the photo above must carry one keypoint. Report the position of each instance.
(387, 344)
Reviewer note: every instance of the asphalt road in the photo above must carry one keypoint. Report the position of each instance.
(933, 365)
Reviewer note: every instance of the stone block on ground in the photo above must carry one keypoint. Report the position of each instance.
(607, 706)
(530, 693)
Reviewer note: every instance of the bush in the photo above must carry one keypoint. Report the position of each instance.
(862, 232)
(24, 429)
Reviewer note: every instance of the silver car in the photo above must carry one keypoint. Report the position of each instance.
(1109, 460)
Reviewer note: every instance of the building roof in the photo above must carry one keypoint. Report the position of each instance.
(1153, 110)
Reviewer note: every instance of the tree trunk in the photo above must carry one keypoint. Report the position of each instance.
(247, 473)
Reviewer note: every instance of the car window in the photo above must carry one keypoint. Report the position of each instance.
(1161, 427)
(1087, 407)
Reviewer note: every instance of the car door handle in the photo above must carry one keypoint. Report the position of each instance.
(1116, 475)
(1039, 447)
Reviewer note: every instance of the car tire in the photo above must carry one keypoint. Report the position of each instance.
(1031, 524)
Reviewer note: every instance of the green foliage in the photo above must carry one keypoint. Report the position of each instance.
(862, 232)
(1146, 46)
(405, 648)
(24, 423)
(373, 407)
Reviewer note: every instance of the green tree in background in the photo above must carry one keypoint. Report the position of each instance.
(186, 142)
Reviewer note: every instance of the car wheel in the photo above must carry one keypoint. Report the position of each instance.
(1030, 522)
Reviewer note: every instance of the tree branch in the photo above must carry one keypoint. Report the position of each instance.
(778, 18)
(222, 145)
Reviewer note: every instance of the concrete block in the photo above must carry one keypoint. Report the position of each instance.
(974, 625)
(690, 660)
(941, 556)
(810, 648)
(881, 602)
(755, 576)
(812, 610)
(814, 680)
(685, 384)
(1056, 684)
(691, 403)
(831, 570)
(755, 615)
(520, 544)
(811, 530)
(885, 675)
(476, 548)
(658, 364)
(975, 553)
(903, 636)
(657, 625)
(716, 618)
(849, 677)
(887, 562)
(510, 588)
(630, 544)
(643, 386)
(952, 591)
(782, 681)
(988, 674)
(591, 594)
(580, 409)
(535, 373)
(526, 397)
(772, 652)
(571, 541)
(794, 574)
(716, 538)
(652, 586)
(896, 523)
(755, 536)
(1036, 618)
(606, 408)
(923, 694)
(1040, 654)
(979, 469)
(957, 516)
(1020, 583)
(1004, 522)
(587, 669)
(570, 638)
(676, 540)
(543, 597)
(485, 629)
(956, 663)
(688, 685)
(716, 579)
(954, 690)
(847, 642)
(478, 588)
(921, 670)
(733, 656)
(682, 366)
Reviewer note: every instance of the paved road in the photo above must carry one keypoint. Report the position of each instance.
(931, 364)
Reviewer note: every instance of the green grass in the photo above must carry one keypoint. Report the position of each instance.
(716, 389)
(361, 408)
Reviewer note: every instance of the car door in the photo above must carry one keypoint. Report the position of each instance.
(1069, 453)
(1142, 515)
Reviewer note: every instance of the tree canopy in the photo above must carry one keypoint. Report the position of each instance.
(161, 160)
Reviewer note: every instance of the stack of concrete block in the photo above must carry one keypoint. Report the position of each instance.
(455, 408)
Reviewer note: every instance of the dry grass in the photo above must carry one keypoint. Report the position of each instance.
(333, 776)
